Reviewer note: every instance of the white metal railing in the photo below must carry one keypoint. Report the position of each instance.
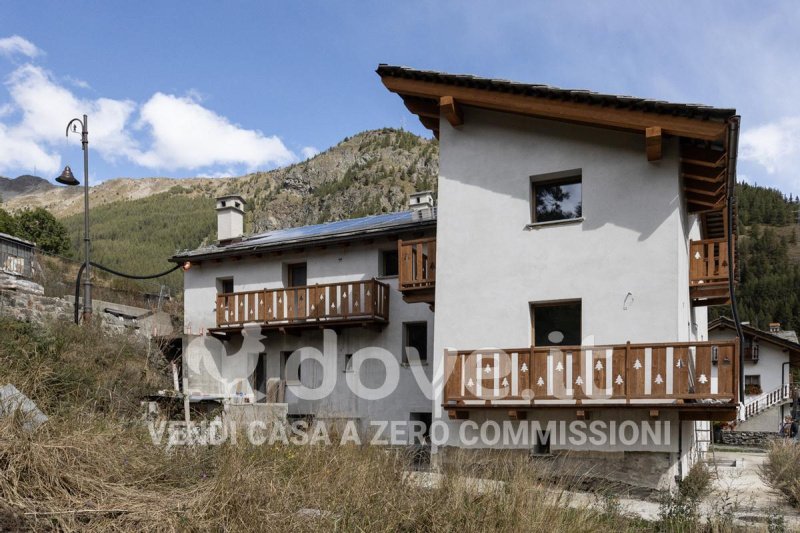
(763, 402)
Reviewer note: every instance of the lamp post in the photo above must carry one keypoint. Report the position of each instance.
(67, 178)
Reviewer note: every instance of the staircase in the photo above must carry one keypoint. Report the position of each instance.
(761, 403)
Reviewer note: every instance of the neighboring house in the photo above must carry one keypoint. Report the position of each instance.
(771, 360)
(16, 256)
(577, 241)
(291, 284)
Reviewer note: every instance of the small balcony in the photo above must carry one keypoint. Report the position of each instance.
(653, 376)
(709, 272)
(417, 270)
(332, 305)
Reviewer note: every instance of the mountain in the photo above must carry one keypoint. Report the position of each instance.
(137, 224)
(23, 185)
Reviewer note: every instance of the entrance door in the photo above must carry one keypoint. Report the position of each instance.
(259, 378)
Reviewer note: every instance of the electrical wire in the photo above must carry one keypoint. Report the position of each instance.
(116, 273)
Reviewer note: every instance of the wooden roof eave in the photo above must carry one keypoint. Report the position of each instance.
(549, 108)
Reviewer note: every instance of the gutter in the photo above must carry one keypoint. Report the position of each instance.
(733, 148)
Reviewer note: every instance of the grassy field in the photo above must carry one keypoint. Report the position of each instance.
(94, 467)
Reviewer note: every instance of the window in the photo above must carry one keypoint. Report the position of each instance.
(415, 337)
(556, 323)
(389, 263)
(752, 384)
(224, 285)
(297, 275)
(288, 373)
(541, 444)
(420, 426)
(556, 197)
(348, 362)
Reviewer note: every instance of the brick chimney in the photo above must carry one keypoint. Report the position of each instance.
(230, 218)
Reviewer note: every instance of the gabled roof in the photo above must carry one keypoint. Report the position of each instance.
(726, 323)
(708, 135)
(704, 112)
(327, 233)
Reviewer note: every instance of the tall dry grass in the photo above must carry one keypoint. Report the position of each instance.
(93, 467)
(781, 470)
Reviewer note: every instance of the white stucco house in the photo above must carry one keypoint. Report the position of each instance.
(771, 362)
(562, 282)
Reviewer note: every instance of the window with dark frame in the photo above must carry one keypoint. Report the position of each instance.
(415, 336)
(297, 275)
(557, 199)
(224, 285)
(556, 323)
(284, 370)
(389, 263)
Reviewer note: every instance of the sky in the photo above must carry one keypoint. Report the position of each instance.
(204, 88)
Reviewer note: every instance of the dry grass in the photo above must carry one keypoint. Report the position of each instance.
(781, 470)
(101, 476)
(93, 467)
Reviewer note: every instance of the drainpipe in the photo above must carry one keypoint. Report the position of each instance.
(783, 382)
(733, 148)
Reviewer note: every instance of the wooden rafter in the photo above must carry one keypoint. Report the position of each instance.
(451, 111)
(653, 143)
(582, 113)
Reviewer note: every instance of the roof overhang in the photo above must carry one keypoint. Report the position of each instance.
(708, 135)
(242, 249)
(727, 323)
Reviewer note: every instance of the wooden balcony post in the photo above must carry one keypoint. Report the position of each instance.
(627, 377)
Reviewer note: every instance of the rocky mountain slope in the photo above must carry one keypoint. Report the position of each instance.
(137, 224)
(368, 173)
(23, 185)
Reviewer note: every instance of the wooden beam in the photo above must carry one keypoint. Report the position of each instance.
(516, 414)
(422, 107)
(581, 113)
(450, 110)
(702, 173)
(456, 414)
(430, 122)
(653, 413)
(653, 143)
(704, 157)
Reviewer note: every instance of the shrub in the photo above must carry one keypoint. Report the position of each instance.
(781, 470)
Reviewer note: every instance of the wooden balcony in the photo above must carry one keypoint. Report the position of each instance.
(654, 376)
(709, 272)
(417, 270)
(350, 303)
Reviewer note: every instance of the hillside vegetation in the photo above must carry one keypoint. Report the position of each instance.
(768, 258)
(372, 172)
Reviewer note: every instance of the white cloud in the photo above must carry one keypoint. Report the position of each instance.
(17, 153)
(775, 147)
(309, 152)
(167, 132)
(14, 45)
(187, 135)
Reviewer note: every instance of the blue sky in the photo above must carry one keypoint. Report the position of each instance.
(221, 88)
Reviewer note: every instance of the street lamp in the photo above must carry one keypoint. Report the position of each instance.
(67, 178)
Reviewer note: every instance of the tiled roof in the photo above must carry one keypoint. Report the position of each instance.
(341, 230)
(547, 91)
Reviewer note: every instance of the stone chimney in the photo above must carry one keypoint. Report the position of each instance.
(421, 204)
(230, 218)
(774, 327)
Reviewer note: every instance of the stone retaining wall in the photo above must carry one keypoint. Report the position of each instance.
(756, 439)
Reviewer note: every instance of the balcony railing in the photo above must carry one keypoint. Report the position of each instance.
(709, 271)
(417, 269)
(332, 303)
(627, 374)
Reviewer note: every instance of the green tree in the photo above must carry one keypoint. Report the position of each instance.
(7, 223)
(40, 226)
